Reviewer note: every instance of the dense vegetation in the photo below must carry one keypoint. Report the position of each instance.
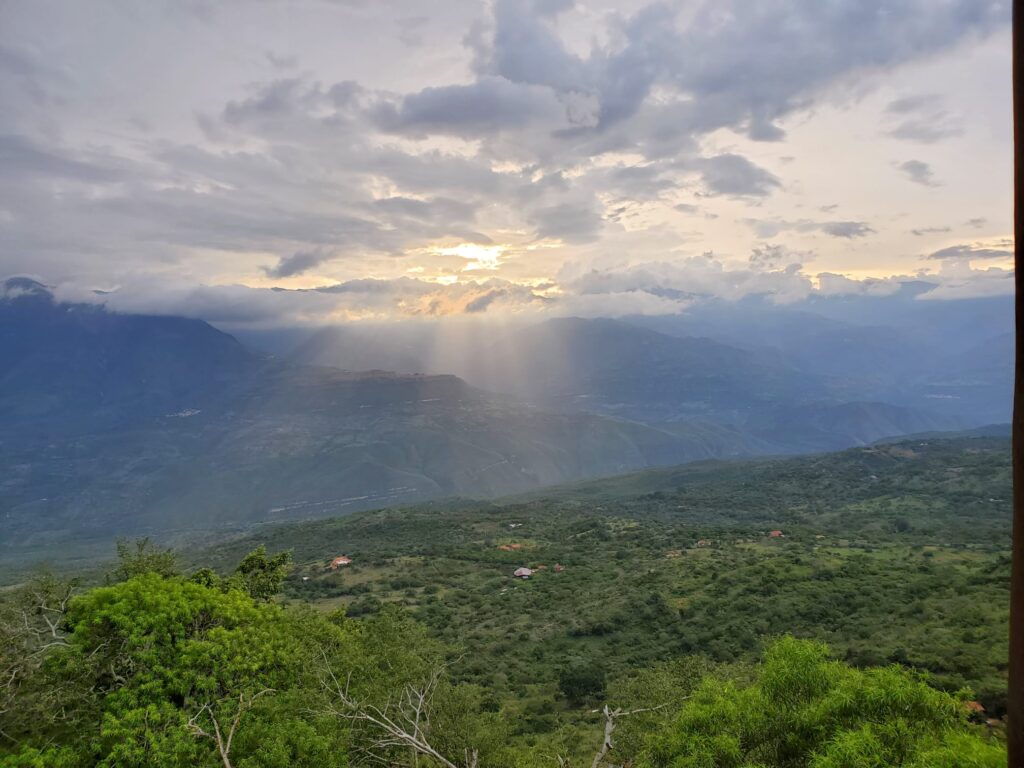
(675, 622)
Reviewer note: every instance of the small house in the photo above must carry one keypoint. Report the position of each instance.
(523, 573)
(559, 567)
(704, 543)
(340, 561)
(775, 535)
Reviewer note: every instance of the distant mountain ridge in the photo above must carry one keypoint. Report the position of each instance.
(117, 424)
(630, 371)
(78, 367)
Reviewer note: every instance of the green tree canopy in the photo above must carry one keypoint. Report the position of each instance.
(261, 575)
(803, 709)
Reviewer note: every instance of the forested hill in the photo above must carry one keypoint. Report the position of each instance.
(695, 598)
(946, 488)
(657, 591)
(888, 552)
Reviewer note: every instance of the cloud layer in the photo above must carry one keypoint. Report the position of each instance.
(484, 158)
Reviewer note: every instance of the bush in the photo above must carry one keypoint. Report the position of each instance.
(581, 681)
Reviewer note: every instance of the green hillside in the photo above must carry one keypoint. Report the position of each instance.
(659, 589)
(890, 553)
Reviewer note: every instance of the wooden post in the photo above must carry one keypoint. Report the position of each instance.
(1015, 691)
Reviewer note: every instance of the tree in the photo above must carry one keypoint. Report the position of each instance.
(802, 709)
(261, 576)
(581, 681)
(32, 627)
(181, 674)
(140, 557)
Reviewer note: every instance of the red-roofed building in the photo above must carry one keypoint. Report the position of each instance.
(339, 561)
(775, 534)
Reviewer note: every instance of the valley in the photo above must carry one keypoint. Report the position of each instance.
(115, 424)
(895, 553)
(642, 590)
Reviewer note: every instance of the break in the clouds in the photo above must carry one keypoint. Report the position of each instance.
(375, 159)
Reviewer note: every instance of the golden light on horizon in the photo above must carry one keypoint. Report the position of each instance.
(478, 257)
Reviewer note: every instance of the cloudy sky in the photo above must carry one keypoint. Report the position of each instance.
(317, 160)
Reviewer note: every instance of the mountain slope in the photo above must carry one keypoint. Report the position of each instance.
(599, 365)
(77, 367)
(126, 424)
(952, 357)
(625, 370)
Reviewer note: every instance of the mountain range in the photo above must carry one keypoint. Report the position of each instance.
(129, 424)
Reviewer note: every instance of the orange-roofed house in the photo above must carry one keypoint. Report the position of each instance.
(775, 534)
(340, 561)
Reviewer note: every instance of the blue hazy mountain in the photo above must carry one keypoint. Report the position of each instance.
(70, 368)
(628, 369)
(116, 424)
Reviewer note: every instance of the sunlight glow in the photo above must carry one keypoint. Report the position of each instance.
(478, 257)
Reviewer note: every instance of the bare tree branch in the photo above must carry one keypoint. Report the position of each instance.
(404, 725)
(611, 716)
(222, 742)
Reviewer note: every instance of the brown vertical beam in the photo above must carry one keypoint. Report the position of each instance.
(1015, 698)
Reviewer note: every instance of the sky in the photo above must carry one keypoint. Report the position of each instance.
(272, 162)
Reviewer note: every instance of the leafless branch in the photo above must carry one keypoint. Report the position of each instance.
(403, 725)
(611, 716)
(222, 741)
